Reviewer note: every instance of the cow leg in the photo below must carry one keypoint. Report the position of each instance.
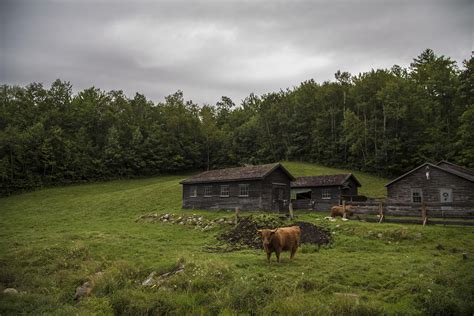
(277, 255)
(293, 251)
(269, 254)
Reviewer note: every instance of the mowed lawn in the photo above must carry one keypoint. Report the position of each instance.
(53, 240)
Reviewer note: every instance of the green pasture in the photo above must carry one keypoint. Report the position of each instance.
(53, 240)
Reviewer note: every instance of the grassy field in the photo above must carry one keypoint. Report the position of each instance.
(53, 240)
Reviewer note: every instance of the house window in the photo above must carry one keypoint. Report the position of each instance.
(326, 194)
(224, 190)
(416, 195)
(244, 189)
(194, 191)
(208, 190)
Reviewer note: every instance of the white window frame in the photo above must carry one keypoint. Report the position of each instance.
(326, 194)
(208, 191)
(225, 190)
(194, 191)
(419, 191)
(246, 190)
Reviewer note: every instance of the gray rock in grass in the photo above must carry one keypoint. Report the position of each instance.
(10, 290)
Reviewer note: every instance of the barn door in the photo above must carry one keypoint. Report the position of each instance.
(446, 195)
(278, 199)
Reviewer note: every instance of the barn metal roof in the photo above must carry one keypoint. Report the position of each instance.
(323, 181)
(258, 172)
(455, 171)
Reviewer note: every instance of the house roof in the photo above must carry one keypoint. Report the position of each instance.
(449, 165)
(237, 174)
(323, 181)
(451, 170)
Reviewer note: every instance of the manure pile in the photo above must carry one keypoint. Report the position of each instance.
(244, 233)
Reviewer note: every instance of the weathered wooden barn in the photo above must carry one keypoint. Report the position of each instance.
(322, 192)
(263, 187)
(443, 182)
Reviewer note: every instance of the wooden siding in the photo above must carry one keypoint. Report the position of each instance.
(400, 191)
(261, 195)
(216, 201)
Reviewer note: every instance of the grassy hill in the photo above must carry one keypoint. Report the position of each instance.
(53, 240)
(372, 186)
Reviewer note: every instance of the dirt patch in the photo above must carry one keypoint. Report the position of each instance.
(244, 233)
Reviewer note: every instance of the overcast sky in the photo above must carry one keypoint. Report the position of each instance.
(214, 48)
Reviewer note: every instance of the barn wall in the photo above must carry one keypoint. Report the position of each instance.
(400, 191)
(354, 189)
(252, 202)
(305, 204)
(325, 204)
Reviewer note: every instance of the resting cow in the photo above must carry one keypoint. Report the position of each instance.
(280, 239)
(338, 210)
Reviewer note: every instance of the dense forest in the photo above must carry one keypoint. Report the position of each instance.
(383, 121)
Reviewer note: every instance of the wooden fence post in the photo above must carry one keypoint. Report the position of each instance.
(344, 209)
(290, 208)
(381, 212)
(424, 216)
(237, 214)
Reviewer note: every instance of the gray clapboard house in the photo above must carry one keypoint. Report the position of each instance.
(322, 192)
(443, 182)
(263, 187)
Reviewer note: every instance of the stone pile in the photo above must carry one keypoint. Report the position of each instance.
(193, 220)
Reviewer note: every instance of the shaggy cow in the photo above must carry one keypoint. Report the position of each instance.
(338, 210)
(280, 239)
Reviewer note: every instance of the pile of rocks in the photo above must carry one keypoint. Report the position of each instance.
(152, 280)
(193, 220)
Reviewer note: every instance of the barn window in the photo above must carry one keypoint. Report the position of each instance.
(416, 195)
(244, 189)
(224, 190)
(194, 191)
(326, 194)
(208, 190)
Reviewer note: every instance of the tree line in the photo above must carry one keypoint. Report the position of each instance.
(382, 121)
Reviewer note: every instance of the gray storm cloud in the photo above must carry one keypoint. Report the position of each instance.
(217, 48)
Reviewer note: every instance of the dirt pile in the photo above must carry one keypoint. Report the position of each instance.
(312, 234)
(244, 233)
